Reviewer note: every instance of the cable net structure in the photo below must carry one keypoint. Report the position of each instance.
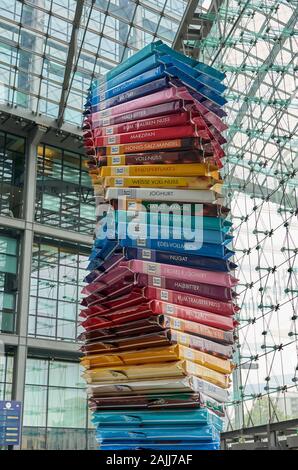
(255, 43)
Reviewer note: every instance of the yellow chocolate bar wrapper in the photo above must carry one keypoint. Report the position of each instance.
(191, 169)
(189, 182)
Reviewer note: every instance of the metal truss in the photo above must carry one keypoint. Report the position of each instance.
(72, 55)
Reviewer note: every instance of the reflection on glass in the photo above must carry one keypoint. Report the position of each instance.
(12, 168)
(55, 407)
(6, 369)
(9, 247)
(64, 196)
(57, 276)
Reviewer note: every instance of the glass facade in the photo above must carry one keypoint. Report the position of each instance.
(9, 256)
(6, 371)
(12, 168)
(58, 270)
(64, 195)
(254, 44)
(55, 407)
(55, 404)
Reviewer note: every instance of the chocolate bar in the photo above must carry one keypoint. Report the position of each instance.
(168, 290)
(148, 325)
(175, 106)
(168, 120)
(181, 273)
(187, 260)
(157, 194)
(195, 315)
(190, 143)
(202, 344)
(216, 211)
(151, 340)
(156, 158)
(198, 329)
(190, 169)
(194, 248)
(152, 401)
(133, 93)
(146, 135)
(148, 418)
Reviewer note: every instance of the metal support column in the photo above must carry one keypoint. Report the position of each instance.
(18, 384)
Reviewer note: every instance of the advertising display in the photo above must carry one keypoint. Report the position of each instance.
(159, 302)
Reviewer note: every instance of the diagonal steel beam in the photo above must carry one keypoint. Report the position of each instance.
(191, 17)
(69, 61)
(206, 25)
(184, 23)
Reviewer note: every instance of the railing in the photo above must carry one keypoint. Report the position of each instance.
(272, 436)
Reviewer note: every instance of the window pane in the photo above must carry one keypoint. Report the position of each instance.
(12, 169)
(35, 405)
(36, 371)
(67, 408)
(63, 190)
(65, 374)
(9, 247)
(55, 296)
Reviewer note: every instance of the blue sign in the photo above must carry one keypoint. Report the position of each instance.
(10, 422)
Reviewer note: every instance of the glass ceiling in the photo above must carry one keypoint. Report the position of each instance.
(38, 40)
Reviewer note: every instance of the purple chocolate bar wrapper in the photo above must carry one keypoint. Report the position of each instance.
(195, 288)
(192, 261)
(143, 90)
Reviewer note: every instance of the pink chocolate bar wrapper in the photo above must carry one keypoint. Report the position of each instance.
(107, 279)
(205, 331)
(179, 272)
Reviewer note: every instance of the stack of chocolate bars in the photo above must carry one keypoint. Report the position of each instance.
(159, 302)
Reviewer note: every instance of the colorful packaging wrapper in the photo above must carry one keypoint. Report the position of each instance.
(159, 303)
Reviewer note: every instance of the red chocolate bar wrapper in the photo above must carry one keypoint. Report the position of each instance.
(117, 318)
(158, 122)
(135, 296)
(206, 318)
(148, 325)
(146, 136)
